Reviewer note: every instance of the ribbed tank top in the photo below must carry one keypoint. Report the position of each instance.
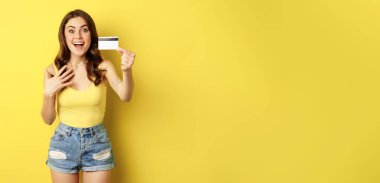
(82, 108)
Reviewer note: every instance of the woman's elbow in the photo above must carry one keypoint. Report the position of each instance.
(126, 99)
(47, 120)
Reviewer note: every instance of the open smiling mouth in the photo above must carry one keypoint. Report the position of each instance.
(79, 45)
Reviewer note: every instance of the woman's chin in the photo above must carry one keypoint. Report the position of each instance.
(78, 53)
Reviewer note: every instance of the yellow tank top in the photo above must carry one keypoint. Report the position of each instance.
(82, 108)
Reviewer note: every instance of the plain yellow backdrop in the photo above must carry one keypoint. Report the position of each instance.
(242, 91)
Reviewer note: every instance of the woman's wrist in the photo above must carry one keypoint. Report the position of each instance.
(49, 95)
(127, 70)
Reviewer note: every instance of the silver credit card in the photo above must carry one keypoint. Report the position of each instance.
(108, 43)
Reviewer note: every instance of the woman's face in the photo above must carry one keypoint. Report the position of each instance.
(78, 37)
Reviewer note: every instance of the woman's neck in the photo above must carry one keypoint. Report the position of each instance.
(77, 60)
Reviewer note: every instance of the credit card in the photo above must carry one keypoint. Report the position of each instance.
(108, 43)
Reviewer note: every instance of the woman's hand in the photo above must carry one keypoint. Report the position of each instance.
(127, 59)
(54, 84)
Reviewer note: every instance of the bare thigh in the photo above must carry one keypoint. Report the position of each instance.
(103, 176)
(59, 177)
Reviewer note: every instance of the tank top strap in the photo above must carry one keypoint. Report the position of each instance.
(55, 68)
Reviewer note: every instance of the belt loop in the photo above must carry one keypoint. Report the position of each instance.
(70, 130)
(92, 131)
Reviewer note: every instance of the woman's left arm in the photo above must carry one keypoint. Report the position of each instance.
(123, 87)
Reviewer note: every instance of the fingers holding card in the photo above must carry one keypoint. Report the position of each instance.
(112, 43)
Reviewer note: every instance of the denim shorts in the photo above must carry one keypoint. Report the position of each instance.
(73, 149)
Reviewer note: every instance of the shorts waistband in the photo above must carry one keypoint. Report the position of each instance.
(69, 129)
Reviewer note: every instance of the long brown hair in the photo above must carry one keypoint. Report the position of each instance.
(93, 55)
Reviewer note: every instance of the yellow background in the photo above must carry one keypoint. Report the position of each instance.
(226, 91)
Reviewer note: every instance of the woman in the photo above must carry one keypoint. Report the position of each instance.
(78, 80)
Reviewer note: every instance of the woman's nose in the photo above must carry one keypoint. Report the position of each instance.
(78, 34)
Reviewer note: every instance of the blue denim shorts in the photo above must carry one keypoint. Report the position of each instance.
(73, 149)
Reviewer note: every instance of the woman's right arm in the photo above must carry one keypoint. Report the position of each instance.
(52, 85)
(48, 109)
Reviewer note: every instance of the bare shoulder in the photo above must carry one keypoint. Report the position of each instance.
(50, 69)
(105, 65)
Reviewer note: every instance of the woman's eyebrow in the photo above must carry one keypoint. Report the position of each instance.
(74, 26)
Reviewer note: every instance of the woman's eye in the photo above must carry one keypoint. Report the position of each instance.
(71, 31)
(85, 30)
